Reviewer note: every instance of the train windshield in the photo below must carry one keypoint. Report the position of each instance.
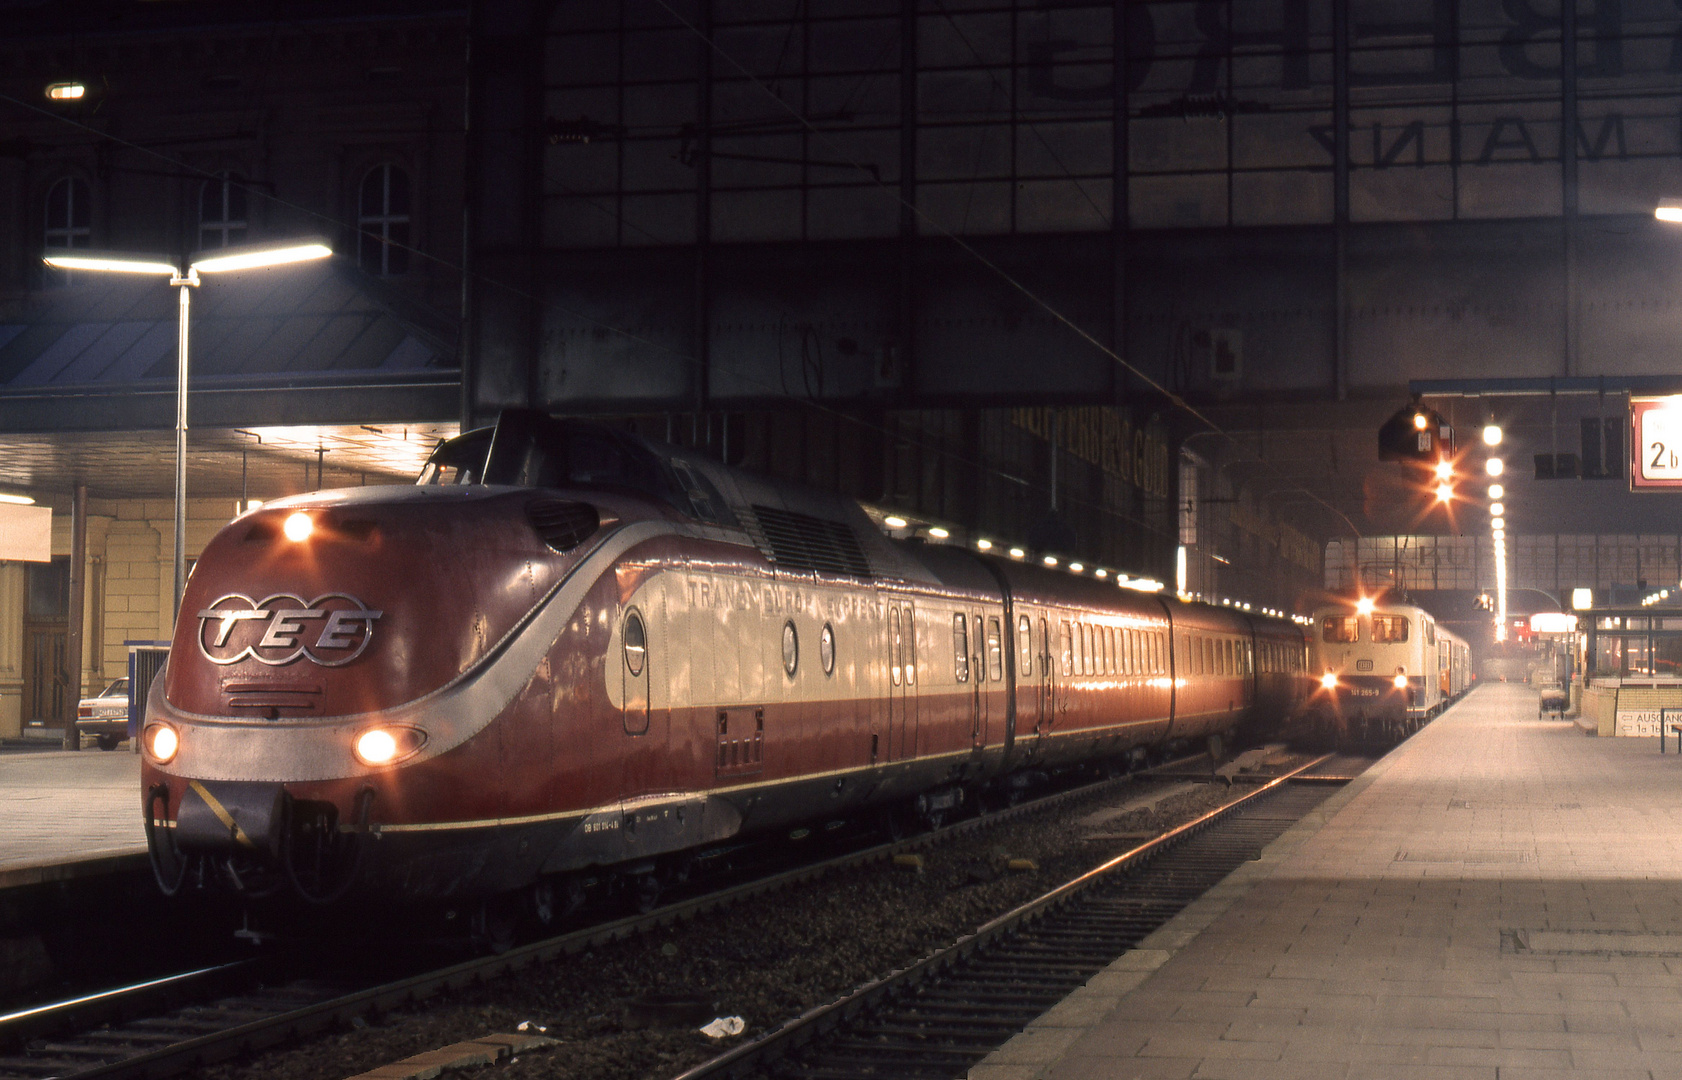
(460, 460)
(531, 449)
(1340, 630)
(1389, 629)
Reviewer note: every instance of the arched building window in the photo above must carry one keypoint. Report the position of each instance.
(222, 214)
(382, 217)
(68, 221)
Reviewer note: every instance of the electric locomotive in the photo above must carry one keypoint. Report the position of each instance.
(1384, 670)
(568, 655)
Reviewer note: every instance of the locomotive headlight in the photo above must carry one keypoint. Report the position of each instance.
(384, 745)
(1329, 680)
(298, 527)
(163, 742)
(1400, 681)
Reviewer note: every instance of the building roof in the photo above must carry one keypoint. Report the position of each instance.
(309, 328)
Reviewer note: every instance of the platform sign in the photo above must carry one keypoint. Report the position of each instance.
(1656, 443)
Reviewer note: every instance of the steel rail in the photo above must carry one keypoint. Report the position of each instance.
(746, 1058)
(269, 1031)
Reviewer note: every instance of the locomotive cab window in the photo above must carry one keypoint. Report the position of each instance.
(1389, 629)
(636, 643)
(1340, 630)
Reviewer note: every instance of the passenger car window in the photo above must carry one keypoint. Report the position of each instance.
(1065, 639)
(1025, 645)
(826, 649)
(1340, 630)
(995, 651)
(960, 647)
(791, 649)
(1389, 629)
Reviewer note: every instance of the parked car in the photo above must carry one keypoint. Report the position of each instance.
(105, 715)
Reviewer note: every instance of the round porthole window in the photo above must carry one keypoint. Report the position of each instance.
(826, 649)
(636, 643)
(791, 649)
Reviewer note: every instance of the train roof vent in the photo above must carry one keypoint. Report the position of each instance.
(803, 542)
(561, 524)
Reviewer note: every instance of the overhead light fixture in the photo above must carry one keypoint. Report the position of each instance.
(1494, 466)
(253, 257)
(1497, 509)
(984, 545)
(67, 91)
(938, 533)
(1050, 560)
(1582, 599)
(1669, 210)
(1363, 606)
(1017, 553)
(1077, 567)
(18, 500)
(1496, 491)
(111, 261)
(1100, 573)
(1498, 523)
(1492, 435)
(894, 522)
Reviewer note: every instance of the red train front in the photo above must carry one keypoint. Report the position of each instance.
(569, 653)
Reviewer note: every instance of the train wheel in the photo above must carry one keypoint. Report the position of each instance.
(644, 891)
(496, 923)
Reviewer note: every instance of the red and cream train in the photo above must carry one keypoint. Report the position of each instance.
(568, 652)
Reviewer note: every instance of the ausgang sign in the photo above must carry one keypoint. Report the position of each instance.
(1656, 443)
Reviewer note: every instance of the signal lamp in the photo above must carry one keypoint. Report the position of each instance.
(1445, 469)
(1445, 492)
(1329, 680)
(1420, 421)
(162, 741)
(298, 527)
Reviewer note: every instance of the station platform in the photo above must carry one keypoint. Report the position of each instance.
(1499, 897)
(67, 815)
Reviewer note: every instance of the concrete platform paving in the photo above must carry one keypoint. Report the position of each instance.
(1500, 898)
(65, 815)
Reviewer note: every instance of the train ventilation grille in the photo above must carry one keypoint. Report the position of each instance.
(560, 524)
(803, 542)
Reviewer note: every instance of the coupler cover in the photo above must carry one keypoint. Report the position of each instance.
(231, 817)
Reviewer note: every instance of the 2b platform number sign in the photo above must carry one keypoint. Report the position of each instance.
(1656, 436)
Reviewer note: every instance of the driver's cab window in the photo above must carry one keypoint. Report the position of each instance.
(1340, 630)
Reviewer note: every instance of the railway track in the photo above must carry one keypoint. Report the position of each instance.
(937, 1018)
(164, 1026)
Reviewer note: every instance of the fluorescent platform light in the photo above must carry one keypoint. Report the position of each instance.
(110, 260)
(253, 258)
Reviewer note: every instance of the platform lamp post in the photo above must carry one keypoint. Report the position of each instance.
(221, 260)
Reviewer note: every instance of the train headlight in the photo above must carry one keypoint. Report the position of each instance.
(1400, 681)
(162, 741)
(298, 527)
(384, 745)
(1329, 680)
